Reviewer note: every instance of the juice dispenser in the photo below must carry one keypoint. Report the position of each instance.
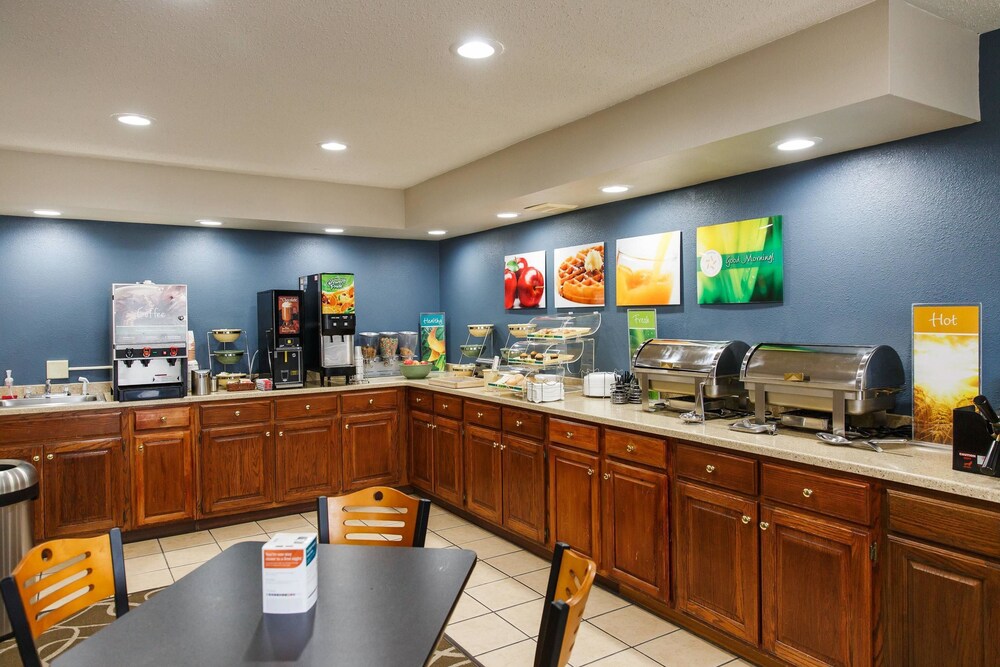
(328, 324)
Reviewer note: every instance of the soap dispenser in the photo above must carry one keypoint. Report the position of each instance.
(8, 387)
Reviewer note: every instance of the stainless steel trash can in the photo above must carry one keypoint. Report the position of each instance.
(18, 488)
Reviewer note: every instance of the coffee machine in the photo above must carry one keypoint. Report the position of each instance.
(328, 324)
(279, 337)
(148, 341)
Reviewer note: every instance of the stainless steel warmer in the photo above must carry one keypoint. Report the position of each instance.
(691, 376)
(808, 385)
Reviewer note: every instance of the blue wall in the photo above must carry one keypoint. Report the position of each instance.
(56, 276)
(867, 234)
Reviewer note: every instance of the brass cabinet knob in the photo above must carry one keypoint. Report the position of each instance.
(267, 434)
(444, 406)
(630, 448)
(141, 447)
(764, 525)
(427, 425)
(347, 426)
(745, 519)
(607, 475)
(419, 400)
(36, 458)
(308, 406)
(710, 468)
(590, 472)
(433, 425)
(49, 457)
(569, 434)
(371, 401)
(163, 420)
(281, 434)
(807, 492)
(503, 447)
(518, 423)
(237, 413)
(495, 445)
(479, 415)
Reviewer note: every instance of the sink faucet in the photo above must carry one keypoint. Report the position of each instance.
(48, 387)
(86, 385)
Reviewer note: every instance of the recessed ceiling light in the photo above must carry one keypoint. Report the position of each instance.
(509, 214)
(437, 232)
(797, 144)
(46, 212)
(614, 189)
(477, 49)
(333, 230)
(210, 223)
(333, 146)
(133, 119)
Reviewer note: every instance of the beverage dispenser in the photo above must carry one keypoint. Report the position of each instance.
(328, 324)
(279, 337)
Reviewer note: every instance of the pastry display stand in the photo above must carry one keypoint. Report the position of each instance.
(228, 351)
(480, 335)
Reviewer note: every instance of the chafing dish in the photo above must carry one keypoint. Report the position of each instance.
(691, 376)
(807, 386)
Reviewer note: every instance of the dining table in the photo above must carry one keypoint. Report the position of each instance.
(376, 606)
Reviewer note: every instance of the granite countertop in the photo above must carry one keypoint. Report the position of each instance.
(922, 466)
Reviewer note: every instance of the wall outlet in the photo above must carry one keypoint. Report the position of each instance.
(57, 369)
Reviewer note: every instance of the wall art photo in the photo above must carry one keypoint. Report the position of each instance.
(741, 262)
(524, 280)
(579, 275)
(648, 270)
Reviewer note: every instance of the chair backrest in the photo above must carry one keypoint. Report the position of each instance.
(378, 516)
(58, 578)
(570, 580)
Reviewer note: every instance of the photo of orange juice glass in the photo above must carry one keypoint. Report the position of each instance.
(647, 270)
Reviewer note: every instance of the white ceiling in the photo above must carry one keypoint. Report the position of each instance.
(252, 86)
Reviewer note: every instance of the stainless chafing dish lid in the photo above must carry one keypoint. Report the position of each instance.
(851, 367)
(710, 357)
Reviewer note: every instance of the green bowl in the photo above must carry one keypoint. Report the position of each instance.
(228, 356)
(471, 350)
(415, 371)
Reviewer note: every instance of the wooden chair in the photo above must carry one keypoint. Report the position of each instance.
(57, 579)
(570, 580)
(383, 510)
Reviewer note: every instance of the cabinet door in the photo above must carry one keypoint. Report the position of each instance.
(33, 455)
(447, 458)
(237, 468)
(717, 563)
(523, 469)
(307, 459)
(574, 500)
(162, 478)
(84, 493)
(944, 607)
(371, 452)
(422, 450)
(816, 589)
(482, 473)
(635, 528)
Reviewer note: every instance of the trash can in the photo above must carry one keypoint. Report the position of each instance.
(18, 487)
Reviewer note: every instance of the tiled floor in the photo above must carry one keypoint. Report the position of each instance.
(498, 616)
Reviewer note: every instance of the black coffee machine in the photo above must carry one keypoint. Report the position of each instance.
(279, 337)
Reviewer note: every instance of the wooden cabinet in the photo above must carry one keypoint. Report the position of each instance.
(163, 488)
(436, 446)
(447, 459)
(84, 492)
(523, 477)
(307, 459)
(237, 472)
(717, 562)
(575, 500)
(33, 455)
(421, 432)
(483, 496)
(370, 449)
(816, 589)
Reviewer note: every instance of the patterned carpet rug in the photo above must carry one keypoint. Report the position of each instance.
(60, 638)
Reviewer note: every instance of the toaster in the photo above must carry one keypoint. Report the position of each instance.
(598, 384)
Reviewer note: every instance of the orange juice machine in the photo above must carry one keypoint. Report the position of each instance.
(328, 324)
(279, 337)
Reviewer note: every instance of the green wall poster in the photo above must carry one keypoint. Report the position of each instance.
(641, 327)
(432, 337)
(741, 262)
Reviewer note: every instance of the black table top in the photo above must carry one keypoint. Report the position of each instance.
(377, 606)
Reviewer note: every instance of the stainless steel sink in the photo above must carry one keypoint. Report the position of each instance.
(38, 401)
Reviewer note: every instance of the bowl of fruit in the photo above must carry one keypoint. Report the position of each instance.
(415, 370)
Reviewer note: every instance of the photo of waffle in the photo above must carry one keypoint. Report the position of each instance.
(580, 275)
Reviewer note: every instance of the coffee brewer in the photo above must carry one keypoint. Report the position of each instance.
(279, 337)
(328, 324)
(148, 341)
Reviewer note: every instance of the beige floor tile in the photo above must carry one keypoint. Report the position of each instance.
(148, 580)
(525, 617)
(442, 521)
(290, 523)
(632, 625)
(239, 530)
(601, 601)
(145, 548)
(437, 509)
(186, 540)
(143, 564)
(192, 555)
(484, 633)
(629, 658)
(483, 573)
(515, 655)
(538, 581)
(738, 663)
(467, 608)
(435, 541)
(184, 570)
(502, 594)
(593, 644)
(682, 649)
(253, 538)
(492, 546)
(310, 517)
(518, 562)
(464, 534)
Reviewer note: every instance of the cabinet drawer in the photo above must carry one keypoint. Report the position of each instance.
(522, 422)
(574, 434)
(448, 406)
(50, 427)
(637, 448)
(421, 399)
(305, 406)
(162, 418)
(969, 528)
(362, 401)
(482, 414)
(245, 412)
(843, 498)
(736, 473)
